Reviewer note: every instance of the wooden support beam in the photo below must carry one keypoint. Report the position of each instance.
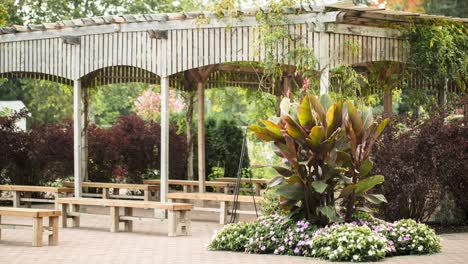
(200, 75)
(201, 137)
(77, 135)
(84, 134)
(387, 102)
(164, 138)
(324, 62)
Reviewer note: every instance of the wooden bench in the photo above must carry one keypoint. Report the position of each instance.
(221, 186)
(223, 199)
(37, 226)
(28, 190)
(149, 191)
(258, 183)
(178, 213)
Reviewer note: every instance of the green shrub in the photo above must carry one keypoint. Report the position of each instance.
(275, 234)
(281, 235)
(412, 238)
(270, 203)
(449, 214)
(233, 237)
(349, 242)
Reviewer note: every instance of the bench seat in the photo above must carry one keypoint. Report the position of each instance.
(147, 189)
(29, 189)
(223, 199)
(37, 216)
(178, 213)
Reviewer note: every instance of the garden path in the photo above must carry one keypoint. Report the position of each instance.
(149, 244)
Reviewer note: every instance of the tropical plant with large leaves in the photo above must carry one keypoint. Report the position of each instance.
(362, 131)
(306, 141)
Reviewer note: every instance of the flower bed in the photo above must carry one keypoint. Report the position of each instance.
(363, 240)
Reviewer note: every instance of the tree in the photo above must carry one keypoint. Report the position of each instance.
(56, 10)
(456, 8)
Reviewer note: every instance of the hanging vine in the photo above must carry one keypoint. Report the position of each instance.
(439, 51)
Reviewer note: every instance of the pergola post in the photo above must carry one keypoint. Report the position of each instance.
(164, 138)
(201, 136)
(78, 102)
(84, 135)
(324, 62)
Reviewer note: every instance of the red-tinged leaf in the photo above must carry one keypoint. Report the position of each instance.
(293, 128)
(262, 133)
(316, 136)
(317, 107)
(355, 121)
(304, 113)
(334, 118)
(352, 138)
(275, 129)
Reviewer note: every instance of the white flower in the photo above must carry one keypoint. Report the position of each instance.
(420, 248)
(371, 253)
(355, 257)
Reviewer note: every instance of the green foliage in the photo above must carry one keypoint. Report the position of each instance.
(449, 214)
(55, 10)
(233, 237)
(349, 242)
(412, 238)
(455, 8)
(362, 133)
(438, 50)
(269, 234)
(241, 104)
(3, 15)
(109, 102)
(9, 13)
(306, 141)
(223, 147)
(271, 203)
(46, 101)
(321, 159)
(350, 84)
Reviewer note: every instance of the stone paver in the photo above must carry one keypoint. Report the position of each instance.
(92, 243)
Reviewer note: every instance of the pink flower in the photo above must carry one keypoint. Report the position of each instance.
(148, 104)
(305, 84)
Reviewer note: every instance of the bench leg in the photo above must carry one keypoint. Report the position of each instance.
(258, 188)
(172, 218)
(128, 211)
(0, 227)
(187, 220)
(114, 218)
(53, 224)
(105, 193)
(56, 197)
(37, 232)
(64, 216)
(16, 199)
(223, 212)
(146, 195)
(27, 195)
(76, 219)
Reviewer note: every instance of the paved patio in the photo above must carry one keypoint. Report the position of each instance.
(149, 244)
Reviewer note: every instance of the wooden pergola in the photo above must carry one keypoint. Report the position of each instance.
(176, 50)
